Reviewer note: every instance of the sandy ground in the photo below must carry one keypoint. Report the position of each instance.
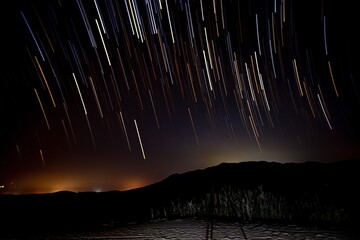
(201, 229)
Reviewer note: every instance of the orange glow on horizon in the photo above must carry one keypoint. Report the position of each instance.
(51, 183)
(132, 184)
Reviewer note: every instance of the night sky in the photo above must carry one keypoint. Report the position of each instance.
(116, 94)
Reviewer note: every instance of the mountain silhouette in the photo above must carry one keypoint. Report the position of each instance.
(333, 184)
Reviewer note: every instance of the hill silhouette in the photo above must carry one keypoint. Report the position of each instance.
(309, 191)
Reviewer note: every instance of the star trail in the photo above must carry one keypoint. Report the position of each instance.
(111, 94)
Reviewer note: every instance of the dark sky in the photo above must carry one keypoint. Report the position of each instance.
(101, 95)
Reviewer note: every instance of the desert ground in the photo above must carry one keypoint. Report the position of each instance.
(279, 204)
(199, 229)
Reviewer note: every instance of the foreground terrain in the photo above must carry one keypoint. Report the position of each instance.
(322, 198)
(199, 229)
